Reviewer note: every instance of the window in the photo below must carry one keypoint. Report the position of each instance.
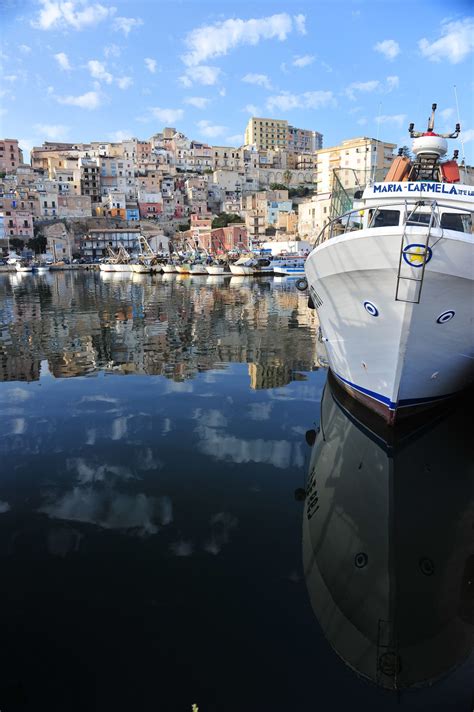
(385, 218)
(419, 219)
(462, 222)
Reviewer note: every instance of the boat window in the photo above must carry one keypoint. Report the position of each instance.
(420, 219)
(462, 222)
(385, 218)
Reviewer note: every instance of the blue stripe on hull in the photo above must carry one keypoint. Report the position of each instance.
(386, 401)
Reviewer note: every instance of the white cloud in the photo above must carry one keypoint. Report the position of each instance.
(217, 39)
(124, 82)
(396, 119)
(200, 102)
(235, 140)
(63, 60)
(127, 24)
(468, 135)
(455, 44)
(4, 507)
(222, 91)
(210, 130)
(19, 394)
(392, 83)
(98, 71)
(252, 109)
(446, 114)
(25, 49)
(63, 14)
(362, 121)
(260, 80)
(204, 74)
(54, 132)
(304, 60)
(120, 135)
(365, 87)
(389, 48)
(167, 116)
(150, 64)
(90, 100)
(286, 101)
(112, 51)
(300, 23)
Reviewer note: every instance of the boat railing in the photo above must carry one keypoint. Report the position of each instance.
(352, 220)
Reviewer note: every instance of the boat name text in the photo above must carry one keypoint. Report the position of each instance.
(444, 188)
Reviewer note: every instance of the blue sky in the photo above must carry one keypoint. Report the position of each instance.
(83, 70)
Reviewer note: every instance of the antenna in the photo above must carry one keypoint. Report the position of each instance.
(372, 180)
(458, 124)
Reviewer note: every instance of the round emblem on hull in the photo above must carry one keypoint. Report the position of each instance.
(414, 255)
(445, 316)
(371, 309)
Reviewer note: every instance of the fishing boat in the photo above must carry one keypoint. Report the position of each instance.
(392, 283)
(218, 267)
(290, 265)
(251, 266)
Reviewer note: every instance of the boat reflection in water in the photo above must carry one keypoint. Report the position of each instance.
(388, 548)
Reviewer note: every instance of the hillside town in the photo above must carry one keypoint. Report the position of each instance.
(74, 200)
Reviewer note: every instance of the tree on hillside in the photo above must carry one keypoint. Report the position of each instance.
(224, 219)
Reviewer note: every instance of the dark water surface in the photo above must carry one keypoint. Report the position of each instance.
(152, 552)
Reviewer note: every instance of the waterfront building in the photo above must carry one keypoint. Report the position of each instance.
(95, 243)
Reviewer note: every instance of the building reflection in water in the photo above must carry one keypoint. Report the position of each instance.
(82, 324)
(388, 546)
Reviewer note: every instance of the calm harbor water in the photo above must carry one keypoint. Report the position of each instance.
(153, 553)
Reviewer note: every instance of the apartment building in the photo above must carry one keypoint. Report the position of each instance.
(266, 133)
(11, 155)
(272, 134)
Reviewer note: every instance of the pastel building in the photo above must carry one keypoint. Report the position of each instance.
(150, 205)
(223, 239)
(11, 155)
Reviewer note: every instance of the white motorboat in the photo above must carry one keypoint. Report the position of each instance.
(41, 269)
(251, 266)
(292, 265)
(392, 283)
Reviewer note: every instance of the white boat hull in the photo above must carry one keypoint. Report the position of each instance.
(169, 268)
(24, 269)
(216, 269)
(242, 270)
(141, 269)
(391, 354)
